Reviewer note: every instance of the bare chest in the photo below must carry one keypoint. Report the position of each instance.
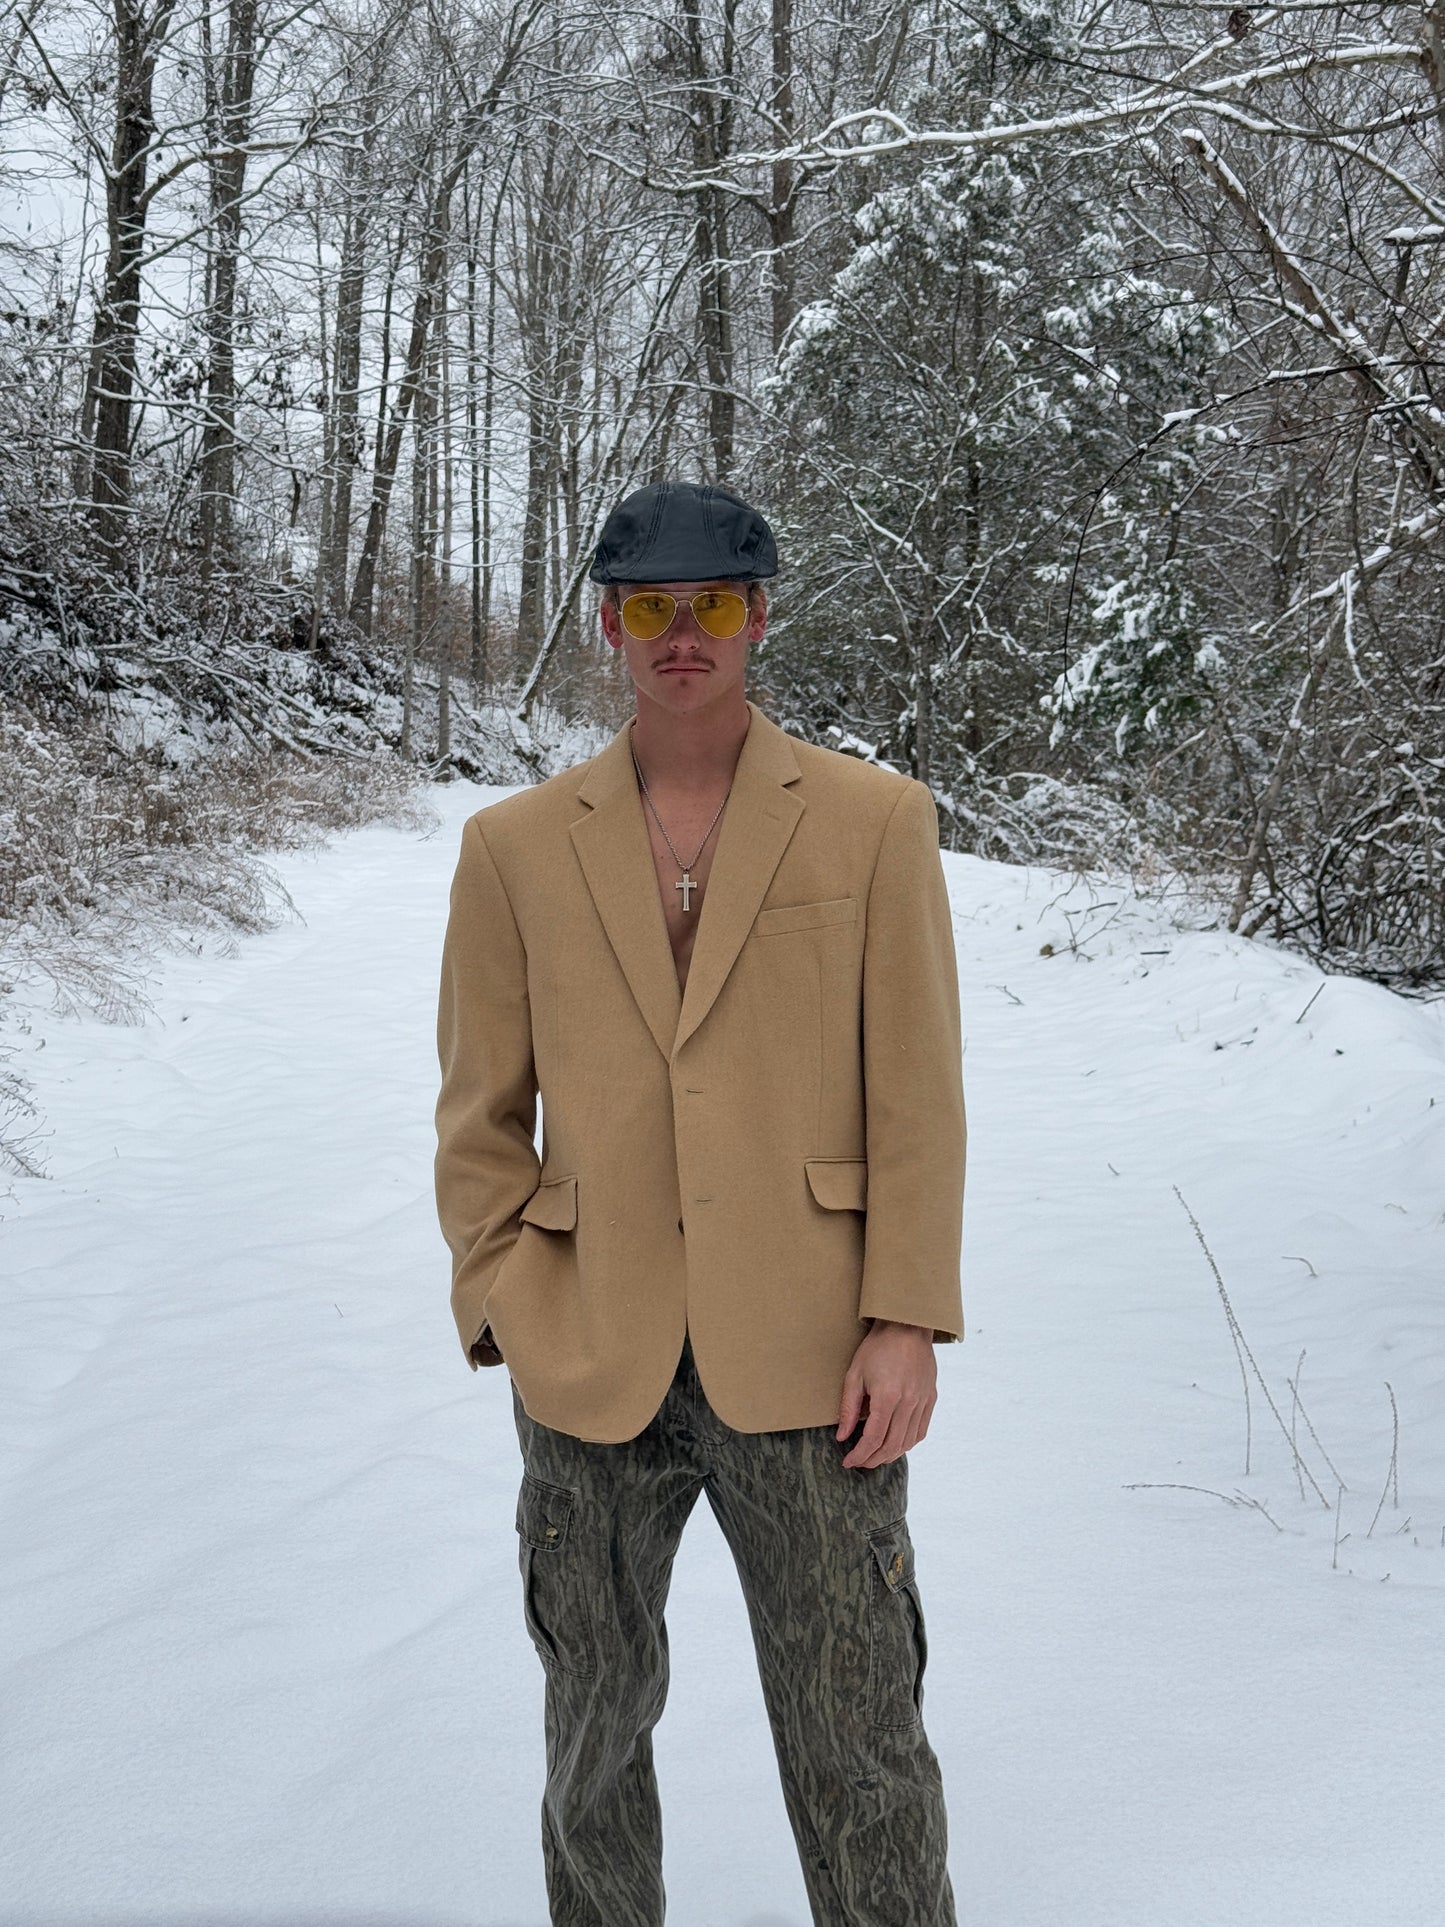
(682, 892)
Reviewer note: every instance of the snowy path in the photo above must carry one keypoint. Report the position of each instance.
(262, 1661)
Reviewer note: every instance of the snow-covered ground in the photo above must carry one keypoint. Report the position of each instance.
(262, 1660)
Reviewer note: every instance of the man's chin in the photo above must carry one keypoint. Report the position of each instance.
(685, 695)
(672, 686)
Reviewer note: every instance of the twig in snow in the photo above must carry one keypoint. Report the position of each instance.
(1309, 1426)
(1256, 1505)
(1173, 1485)
(1235, 1334)
(1392, 1476)
(1242, 1352)
(1318, 988)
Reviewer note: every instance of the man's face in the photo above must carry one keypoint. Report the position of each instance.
(685, 668)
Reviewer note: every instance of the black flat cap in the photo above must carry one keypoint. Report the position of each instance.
(683, 532)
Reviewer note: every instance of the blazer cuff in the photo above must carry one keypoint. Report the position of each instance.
(940, 1337)
(918, 1303)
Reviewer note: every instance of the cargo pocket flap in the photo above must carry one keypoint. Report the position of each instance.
(893, 1549)
(839, 1184)
(543, 1513)
(553, 1205)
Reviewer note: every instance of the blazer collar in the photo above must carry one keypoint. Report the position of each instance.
(614, 850)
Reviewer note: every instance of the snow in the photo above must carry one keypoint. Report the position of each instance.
(261, 1649)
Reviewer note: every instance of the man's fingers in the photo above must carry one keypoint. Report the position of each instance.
(896, 1441)
(874, 1433)
(852, 1402)
(899, 1435)
(921, 1419)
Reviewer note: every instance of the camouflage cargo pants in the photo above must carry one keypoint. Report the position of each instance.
(827, 1571)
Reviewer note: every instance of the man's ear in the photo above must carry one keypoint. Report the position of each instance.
(611, 624)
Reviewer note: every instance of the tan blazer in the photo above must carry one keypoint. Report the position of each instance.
(768, 1161)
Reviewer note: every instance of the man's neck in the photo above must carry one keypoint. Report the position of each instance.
(695, 753)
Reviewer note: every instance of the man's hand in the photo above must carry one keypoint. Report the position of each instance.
(895, 1375)
(484, 1349)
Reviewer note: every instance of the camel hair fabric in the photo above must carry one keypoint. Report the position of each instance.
(766, 1161)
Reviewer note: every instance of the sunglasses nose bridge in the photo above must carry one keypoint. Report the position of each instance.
(684, 623)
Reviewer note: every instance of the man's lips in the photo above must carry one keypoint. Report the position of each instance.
(684, 668)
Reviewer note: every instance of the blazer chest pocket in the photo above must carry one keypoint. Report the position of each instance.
(784, 917)
(553, 1205)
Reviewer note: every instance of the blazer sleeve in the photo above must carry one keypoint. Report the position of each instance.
(913, 1080)
(486, 1115)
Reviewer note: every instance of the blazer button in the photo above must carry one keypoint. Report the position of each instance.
(679, 1224)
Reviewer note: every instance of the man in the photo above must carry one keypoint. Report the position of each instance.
(724, 958)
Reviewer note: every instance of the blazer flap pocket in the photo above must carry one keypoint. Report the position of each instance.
(805, 916)
(839, 1184)
(544, 1512)
(553, 1205)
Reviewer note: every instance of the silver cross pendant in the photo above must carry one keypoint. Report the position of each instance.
(688, 883)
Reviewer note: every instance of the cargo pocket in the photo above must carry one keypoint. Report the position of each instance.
(897, 1639)
(554, 1596)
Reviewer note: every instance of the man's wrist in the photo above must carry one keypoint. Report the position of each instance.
(897, 1325)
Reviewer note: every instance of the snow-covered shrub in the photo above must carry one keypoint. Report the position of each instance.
(105, 850)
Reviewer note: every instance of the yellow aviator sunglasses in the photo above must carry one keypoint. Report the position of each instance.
(650, 613)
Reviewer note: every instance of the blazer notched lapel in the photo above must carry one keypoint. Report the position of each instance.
(616, 857)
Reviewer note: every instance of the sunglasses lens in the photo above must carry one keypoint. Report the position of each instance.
(648, 616)
(719, 612)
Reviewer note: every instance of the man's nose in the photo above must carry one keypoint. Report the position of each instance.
(684, 628)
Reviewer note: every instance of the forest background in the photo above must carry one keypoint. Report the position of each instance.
(1085, 357)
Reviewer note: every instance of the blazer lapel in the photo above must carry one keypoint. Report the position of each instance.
(612, 846)
(760, 817)
(616, 856)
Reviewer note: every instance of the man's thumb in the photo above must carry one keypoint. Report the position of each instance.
(852, 1401)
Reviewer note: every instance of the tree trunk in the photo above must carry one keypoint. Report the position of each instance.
(1434, 61)
(537, 354)
(230, 117)
(712, 114)
(489, 416)
(477, 655)
(388, 453)
(442, 589)
(416, 626)
(346, 431)
(782, 208)
(138, 39)
(532, 584)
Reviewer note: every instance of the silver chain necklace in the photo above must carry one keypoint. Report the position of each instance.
(689, 882)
